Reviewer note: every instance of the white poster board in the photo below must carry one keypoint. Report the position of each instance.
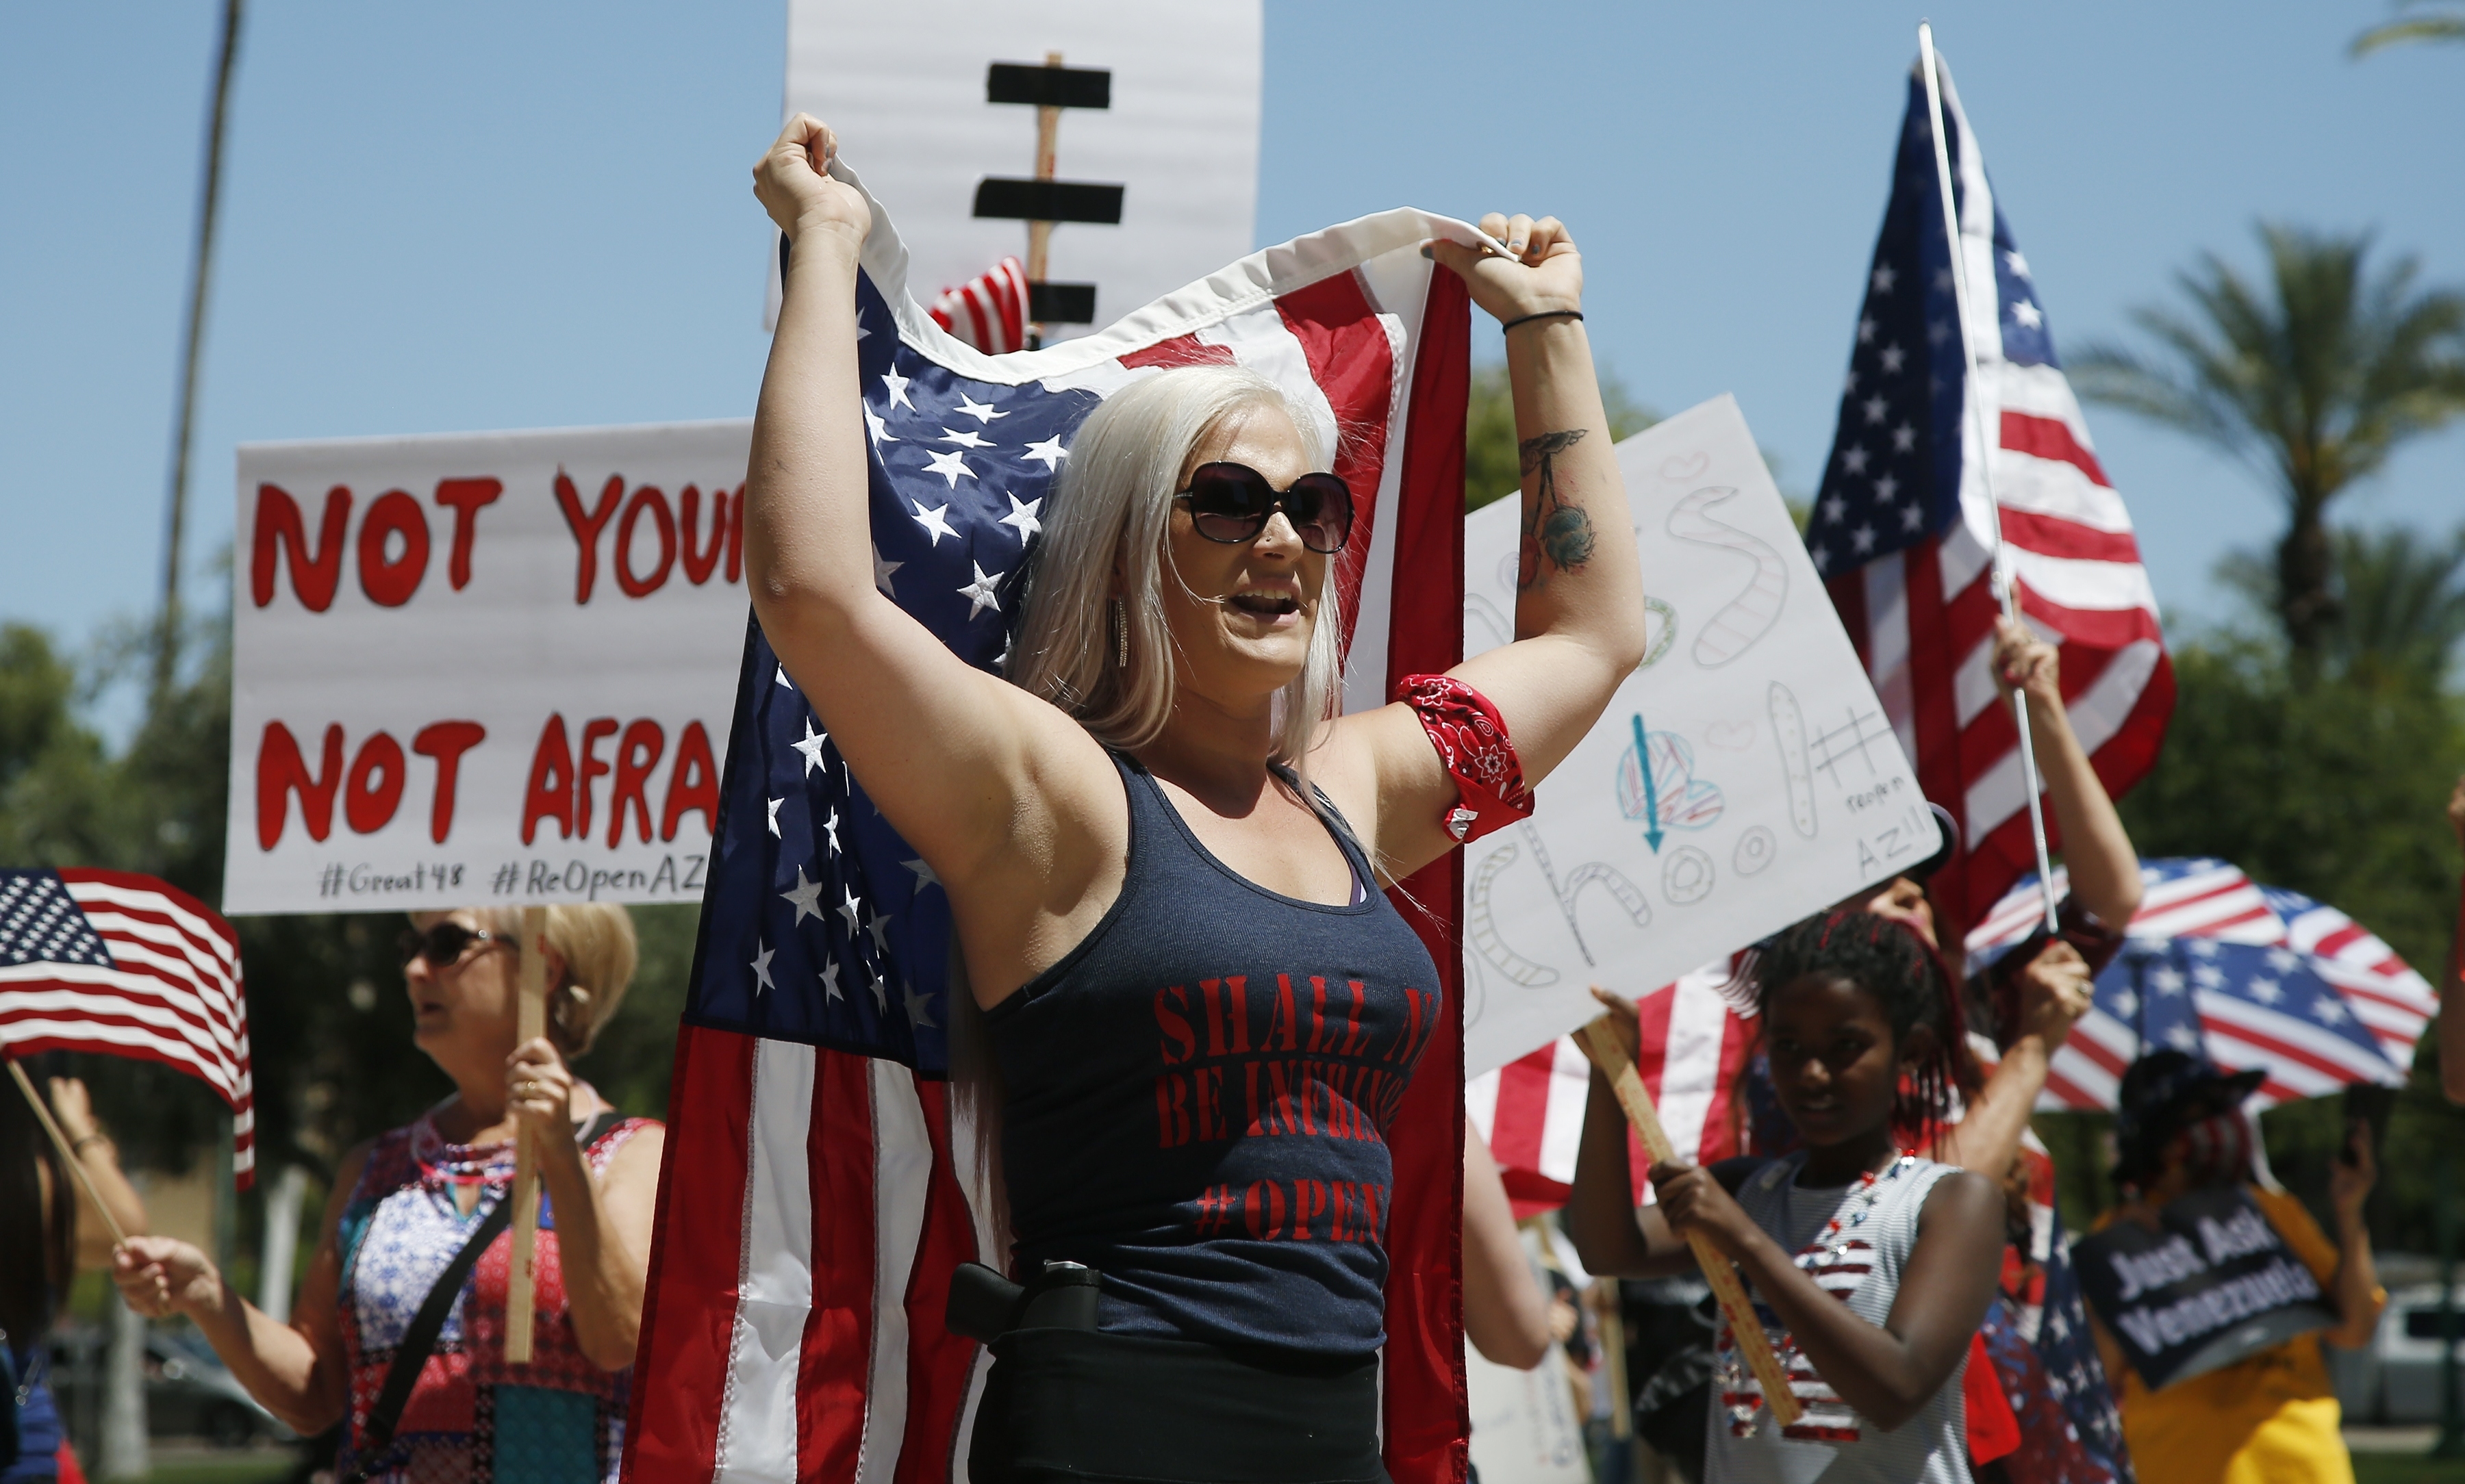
(1767, 784)
(493, 669)
(904, 86)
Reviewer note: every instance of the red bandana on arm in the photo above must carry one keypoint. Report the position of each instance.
(1472, 742)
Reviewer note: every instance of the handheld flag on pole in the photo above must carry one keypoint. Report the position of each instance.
(127, 965)
(2001, 574)
(1934, 468)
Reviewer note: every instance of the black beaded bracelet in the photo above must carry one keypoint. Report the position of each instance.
(1546, 314)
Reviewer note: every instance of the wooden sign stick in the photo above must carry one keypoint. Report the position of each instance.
(1608, 1053)
(530, 1021)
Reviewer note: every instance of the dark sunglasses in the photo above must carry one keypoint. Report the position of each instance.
(1231, 503)
(442, 944)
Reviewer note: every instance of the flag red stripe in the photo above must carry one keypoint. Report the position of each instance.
(1933, 662)
(2049, 437)
(1353, 364)
(1427, 1418)
(2088, 628)
(2054, 535)
(834, 1373)
(1517, 1126)
(672, 1428)
(939, 1363)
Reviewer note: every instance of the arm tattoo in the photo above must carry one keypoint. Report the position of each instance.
(1557, 532)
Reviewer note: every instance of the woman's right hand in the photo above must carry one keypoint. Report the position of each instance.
(794, 186)
(160, 1276)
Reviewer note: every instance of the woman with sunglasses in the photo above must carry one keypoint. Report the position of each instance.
(1162, 848)
(406, 1203)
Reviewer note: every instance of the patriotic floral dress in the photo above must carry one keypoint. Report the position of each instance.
(558, 1420)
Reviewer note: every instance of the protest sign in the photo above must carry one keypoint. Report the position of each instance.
(2213, 1285)
(1155, 161)
(1743, 777)
(491, 669)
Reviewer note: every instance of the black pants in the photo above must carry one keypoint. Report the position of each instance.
(1065, 1404)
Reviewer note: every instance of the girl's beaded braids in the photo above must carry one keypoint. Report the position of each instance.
(1888, 960)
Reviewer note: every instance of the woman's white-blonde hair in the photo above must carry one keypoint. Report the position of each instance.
(596, 940)
(1111, 513)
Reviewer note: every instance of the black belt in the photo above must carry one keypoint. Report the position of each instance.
(1068, 1400)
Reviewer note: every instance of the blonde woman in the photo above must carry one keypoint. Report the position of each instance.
(1164, 851)
(439, 1403)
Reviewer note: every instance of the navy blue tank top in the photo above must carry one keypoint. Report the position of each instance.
(1196, 1098)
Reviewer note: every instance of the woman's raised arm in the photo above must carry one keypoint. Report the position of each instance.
(1579, 599)
(907, 713)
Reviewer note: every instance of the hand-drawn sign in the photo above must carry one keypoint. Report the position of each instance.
(1656, 784)
(1750, 615)
(1789, 731)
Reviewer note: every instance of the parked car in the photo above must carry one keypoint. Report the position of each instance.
(2396, 1378)
(189, 1393)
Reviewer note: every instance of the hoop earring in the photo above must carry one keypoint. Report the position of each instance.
(1121, 635)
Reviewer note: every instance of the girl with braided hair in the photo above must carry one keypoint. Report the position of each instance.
(1870, 1265)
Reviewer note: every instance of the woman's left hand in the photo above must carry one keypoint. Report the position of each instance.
(539, 1092)
(1544, 272)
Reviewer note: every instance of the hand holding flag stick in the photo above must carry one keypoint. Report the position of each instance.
(68, 1152)
(1600, 1039)
(1986, 444)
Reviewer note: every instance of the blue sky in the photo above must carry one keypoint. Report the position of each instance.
(454, 216)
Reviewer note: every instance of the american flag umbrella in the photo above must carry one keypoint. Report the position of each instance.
(2251, 976)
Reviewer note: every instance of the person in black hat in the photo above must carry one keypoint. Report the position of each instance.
(2179, 1128)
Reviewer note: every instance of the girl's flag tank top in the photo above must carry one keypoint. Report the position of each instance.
(1196, 1098)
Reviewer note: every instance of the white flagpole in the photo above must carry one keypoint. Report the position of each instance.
(1985, 456)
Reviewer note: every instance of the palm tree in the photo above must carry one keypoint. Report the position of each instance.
(2312, 379)
(2401, 595)
(2433, 26)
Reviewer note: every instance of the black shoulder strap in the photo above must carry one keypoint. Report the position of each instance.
(419, 1336)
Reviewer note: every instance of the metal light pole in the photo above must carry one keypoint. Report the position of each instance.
(166, 636)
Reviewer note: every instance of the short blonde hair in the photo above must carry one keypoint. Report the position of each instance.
(596, 941)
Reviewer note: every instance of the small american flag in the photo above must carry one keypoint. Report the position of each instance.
(127, 965)
(2249, 976)
(820, 1188)
(1902, 530)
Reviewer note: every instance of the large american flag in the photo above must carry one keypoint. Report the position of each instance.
(127, 965)
(2249, 976)
(1902, 529)
(821, 1184)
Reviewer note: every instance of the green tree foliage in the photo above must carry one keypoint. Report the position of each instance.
(2312, 379)
(2400, 599)
(2436, 20)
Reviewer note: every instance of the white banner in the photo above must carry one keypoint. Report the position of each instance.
(906, 87)
(486, 668)
(1744, 777)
